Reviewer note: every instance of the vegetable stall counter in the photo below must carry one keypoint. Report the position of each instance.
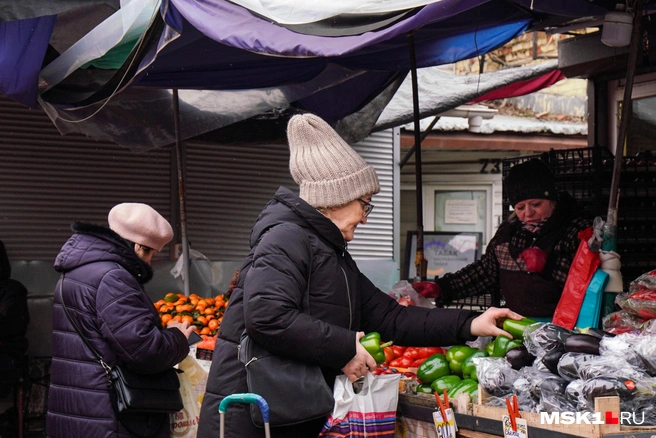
(415, 420)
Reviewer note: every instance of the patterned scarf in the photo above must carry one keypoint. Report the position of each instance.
(534, 227)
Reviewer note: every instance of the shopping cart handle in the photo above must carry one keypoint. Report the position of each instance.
(246, 398)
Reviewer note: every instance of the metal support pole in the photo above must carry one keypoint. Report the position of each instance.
(181, 193)
(424, 134)
(613, 203)
(420, 262)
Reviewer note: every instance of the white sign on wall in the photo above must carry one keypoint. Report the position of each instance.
(458, 211)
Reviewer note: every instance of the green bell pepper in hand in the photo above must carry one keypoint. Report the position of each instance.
(433, 368)
(516, 328)
(371, 343)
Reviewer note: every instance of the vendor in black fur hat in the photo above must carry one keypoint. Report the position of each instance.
(529, 257)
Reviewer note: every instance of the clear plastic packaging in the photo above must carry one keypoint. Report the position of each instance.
(570, 363)
(541, 338)
(622, 321)
(496, 376)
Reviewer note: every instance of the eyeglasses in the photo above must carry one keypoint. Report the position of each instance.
(368, 207)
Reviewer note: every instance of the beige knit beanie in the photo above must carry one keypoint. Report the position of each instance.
(141, 224)
(329, 172)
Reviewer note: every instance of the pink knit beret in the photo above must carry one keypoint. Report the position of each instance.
(141, 224)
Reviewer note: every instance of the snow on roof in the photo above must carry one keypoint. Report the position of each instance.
(504, 123)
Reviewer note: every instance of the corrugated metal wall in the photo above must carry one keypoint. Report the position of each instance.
(228, 185)
(375, 239)
(48, 181)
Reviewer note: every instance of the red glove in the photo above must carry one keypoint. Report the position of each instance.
(535, 259)
(428, 289)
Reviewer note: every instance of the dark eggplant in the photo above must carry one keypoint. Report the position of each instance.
(573, 390)
(578, 343)
(519, 357)
(570, 364)
(556, 403)
(597, 333)
(608, 386)
(648, 363)
(548, 385)
(550, 360)
(499, 381)
(547, 337)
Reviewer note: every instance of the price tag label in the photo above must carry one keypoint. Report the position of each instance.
(508, 432)
(445, 428)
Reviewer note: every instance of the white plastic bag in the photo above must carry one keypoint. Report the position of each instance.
(371, 412)
(176, 271)
(404, 293)
(184, 424)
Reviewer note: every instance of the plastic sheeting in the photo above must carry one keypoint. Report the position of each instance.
(441, 91)
(123, 27)
(308, 11)
(23, 45)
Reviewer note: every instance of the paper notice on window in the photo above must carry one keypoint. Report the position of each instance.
(460, 212)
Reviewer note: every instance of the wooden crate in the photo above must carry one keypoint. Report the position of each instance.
(602, 404)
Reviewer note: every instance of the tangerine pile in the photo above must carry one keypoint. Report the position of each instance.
(205, 313)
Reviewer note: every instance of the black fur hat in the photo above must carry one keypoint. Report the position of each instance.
(530, 180)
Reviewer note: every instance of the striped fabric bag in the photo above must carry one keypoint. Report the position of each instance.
(370, 412)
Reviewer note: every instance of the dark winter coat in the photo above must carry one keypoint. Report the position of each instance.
(14, 314)
(296, 243)
(501, 270)
(103, 293)
(14, 317)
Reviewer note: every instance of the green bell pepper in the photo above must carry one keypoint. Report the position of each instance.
(490, 348)
(516, 328)
(433, 368)
(424, 388)
(445, 382)
(459, 357)
(500, 346)
(514, 343)
(453, 350)
(371, 343)
(469, 367)
(468, 386)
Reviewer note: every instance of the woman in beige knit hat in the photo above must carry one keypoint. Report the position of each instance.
(301, 295)
(104, 270)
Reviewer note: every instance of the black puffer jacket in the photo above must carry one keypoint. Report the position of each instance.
(293, 242)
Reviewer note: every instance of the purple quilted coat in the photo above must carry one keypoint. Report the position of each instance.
(103, 293)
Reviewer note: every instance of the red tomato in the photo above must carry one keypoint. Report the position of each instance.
(412, 352)
(398, 350)
(418, 362)
(406, 301)
(429, 351)
(389, 354)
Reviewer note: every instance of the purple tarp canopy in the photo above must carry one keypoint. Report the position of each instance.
(230, 64)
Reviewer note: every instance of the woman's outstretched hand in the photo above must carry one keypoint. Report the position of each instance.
(489, 323)
(361, 363)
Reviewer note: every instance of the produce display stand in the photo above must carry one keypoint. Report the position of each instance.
(479, 421)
